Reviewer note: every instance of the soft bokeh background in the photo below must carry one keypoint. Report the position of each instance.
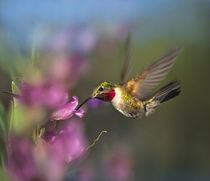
(172, 144)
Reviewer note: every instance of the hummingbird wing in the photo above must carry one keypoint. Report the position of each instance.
(126, 65)
(150, 77)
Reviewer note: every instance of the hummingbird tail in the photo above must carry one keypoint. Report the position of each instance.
(164, 94)
(168, 92)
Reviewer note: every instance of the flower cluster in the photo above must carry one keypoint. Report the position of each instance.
(45, 134)
(53, 149)
(46, 161)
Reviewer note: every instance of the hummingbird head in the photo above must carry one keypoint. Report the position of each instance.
(104, 91)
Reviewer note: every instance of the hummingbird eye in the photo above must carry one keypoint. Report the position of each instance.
(101, 88)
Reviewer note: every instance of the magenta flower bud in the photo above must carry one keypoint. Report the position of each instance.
(49, 135)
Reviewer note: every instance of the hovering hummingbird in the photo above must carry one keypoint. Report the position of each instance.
(134, 98)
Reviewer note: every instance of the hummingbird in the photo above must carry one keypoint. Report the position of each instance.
(135, 98)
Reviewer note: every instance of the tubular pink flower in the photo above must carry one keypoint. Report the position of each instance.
(66, 111)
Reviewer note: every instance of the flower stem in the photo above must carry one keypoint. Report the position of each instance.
(96, 140)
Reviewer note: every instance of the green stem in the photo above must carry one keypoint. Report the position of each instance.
(96, 140)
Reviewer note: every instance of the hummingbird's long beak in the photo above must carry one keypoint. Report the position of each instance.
(86, 100)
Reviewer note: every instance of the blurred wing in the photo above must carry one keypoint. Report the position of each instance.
(126, 65)
(144, 82)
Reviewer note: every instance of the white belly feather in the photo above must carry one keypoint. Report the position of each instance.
(123, 106)
(117, 102)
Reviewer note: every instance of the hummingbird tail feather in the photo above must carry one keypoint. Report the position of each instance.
(167, 92)
(164, 94)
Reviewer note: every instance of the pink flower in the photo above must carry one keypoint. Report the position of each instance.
(66, 111)
(68, 144)
(44, 161)
(70, 141)
(21, 163)
(46, 94)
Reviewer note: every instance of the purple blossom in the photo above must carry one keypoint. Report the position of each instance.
(46, 161)
(70, 141)
(21, 163)
(66, 111)
(46, 94)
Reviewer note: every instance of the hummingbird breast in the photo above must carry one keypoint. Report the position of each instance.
(127, 104)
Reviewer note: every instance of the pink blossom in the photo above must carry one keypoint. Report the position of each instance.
(21, 163)
(46, 94)
(70, 141)
(68, 144)
(66, 111)
(44, 161)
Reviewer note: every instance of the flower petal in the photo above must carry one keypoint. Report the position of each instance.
(70, 142)
(80, 113)
(66, 111)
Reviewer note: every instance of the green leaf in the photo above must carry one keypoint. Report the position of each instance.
(3, 120)
(13, 112)
(15, 89)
